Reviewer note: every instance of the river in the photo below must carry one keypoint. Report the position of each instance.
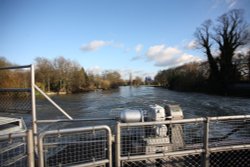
(108, 104)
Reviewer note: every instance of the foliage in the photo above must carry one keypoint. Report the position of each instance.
(68, 76)
(13, 78)
(137, 81)
(113, 77)
(58, 75)
(223, 38)
(186, 77)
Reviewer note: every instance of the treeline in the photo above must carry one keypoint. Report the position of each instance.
(13, 78)
(223, 68)
(63, 76)
(195, 76)
(184, 78)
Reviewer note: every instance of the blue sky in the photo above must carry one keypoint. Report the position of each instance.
(138, 36)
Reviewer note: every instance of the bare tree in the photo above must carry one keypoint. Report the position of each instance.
(225, 38)
(203, 37)
(248, 64)
(44, 72)
(230, 33)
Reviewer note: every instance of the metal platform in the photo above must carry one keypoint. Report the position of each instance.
(11, 125)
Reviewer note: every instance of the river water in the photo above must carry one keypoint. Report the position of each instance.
(108, 104)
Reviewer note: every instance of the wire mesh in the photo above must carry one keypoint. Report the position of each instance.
(161, 138)
(13, 152)
(64, 149)
(14, 101)
(15, 92)
(229, 132)
(192, 160)
(143, 140)
(231, 158)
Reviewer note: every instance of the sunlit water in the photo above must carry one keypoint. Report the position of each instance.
(108, 104)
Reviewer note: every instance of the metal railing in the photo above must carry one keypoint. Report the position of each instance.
(15, 101)
(16, 150)
(23, 100)
(86, 146)
(214, 141)
(188, 142)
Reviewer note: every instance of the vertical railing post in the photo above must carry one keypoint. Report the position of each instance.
(33, 100)
(118, 145)
(205, 162)
(30, 148)
(40, 151)
(109, 147)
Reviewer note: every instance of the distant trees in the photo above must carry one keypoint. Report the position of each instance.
(186, 77)
(44, 72)
(13, 78)
(137, 81)
(78, 80)
(64, 75)
(114, 78)
(224, 67)
(219, 42)
(242, 64)
(59, 75)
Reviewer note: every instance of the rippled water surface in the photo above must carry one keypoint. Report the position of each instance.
(107, 104)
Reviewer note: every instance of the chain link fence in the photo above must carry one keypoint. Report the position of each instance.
(230, 158)
(192, 142)
(160, 138)
(15, 101)
(227, 132)
(76, 146)
(15, 90)
(14, 150)
(191, 160)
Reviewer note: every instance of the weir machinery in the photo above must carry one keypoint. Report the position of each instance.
(155, 138)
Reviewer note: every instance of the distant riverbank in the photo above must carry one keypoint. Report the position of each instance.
(237, 90)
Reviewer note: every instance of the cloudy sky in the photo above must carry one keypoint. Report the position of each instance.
(138, 36)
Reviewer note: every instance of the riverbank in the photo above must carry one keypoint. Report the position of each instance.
(234, 90)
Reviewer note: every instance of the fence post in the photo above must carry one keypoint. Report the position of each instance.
(33, 102)
(109, 146)
(30, 149)
(118, 145)
(205, 162)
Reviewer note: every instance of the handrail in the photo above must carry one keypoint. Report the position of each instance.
(234, 117)
(15, 67)
(15, 90)
(52, 102)
(164, 122)
(72, 130)
(74, 120)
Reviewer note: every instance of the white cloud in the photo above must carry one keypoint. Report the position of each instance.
(96, 70)
(165, 56)
(125, 73)
(243, 49)
(192, 45)
(94, 45)
(184, 58)
(138, 48)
